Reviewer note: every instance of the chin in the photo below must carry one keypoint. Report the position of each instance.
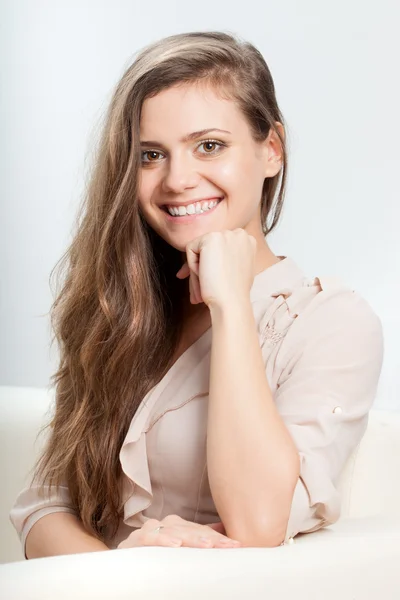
(180, 246)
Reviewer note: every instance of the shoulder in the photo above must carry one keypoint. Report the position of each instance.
(295, 313)
(333, 306)
(333, 321)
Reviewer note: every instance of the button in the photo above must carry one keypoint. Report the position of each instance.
(290, 540)
(337, 410)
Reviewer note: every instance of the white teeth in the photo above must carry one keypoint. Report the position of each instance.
(197, 208)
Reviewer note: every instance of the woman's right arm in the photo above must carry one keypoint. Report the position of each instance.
(47, 524)
(60, 533)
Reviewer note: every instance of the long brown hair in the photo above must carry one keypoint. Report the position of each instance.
(116, 316)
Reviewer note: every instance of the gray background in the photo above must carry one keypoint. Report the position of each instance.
(335, 67)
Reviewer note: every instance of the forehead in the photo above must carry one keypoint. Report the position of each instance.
(181, 109)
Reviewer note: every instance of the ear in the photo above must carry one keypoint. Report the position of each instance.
(273, 151)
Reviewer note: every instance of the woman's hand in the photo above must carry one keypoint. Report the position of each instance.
(221, 266)
(177, 532)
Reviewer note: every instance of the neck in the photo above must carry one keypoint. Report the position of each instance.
(264, 257)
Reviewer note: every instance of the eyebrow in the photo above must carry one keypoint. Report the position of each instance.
(187, 138)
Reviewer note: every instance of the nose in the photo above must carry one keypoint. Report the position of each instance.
(180, 175)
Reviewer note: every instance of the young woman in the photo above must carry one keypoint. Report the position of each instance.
(209, 393)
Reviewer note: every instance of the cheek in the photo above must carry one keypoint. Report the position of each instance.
(225, 175)
(145, 189)
(237, 177)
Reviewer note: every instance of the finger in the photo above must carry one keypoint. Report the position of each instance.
(205, 541)
(196, 288)
(141, 537)
(191, 292)
(175, 529)
(193, 536)
(165, 540)
(188, 535)
(183, 272)
(223, 541)
(193, 257)
(218, 527)
(177, 537)
(219, 532)
(206, 538)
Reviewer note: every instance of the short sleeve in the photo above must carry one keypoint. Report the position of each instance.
(31, 505)
(332, 362)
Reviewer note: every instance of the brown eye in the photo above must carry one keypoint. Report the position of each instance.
(211, 146)
(151, 156)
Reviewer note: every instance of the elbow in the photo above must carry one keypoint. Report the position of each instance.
(268, 536)
(262, 540)
(266, 529)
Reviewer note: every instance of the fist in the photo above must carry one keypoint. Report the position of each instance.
(221, 267)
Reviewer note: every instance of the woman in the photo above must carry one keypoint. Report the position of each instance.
(208, 394)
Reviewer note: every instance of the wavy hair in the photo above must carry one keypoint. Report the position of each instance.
(116, 315)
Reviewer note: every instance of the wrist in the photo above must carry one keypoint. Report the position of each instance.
(234, 310)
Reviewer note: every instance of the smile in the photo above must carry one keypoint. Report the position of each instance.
(191, 212)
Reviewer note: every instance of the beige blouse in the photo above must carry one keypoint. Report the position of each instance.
(322, 348)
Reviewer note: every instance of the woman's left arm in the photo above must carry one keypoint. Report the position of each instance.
(253, 463)
(274, 462)
(325, 392)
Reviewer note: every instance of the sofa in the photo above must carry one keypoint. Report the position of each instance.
(357, 558)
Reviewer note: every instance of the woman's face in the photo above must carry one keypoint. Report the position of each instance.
(198, 155)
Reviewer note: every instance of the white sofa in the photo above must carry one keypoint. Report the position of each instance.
(357, 558)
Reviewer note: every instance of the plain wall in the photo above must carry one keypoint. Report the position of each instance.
(335, 67)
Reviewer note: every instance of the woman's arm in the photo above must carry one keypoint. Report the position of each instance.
(327, 388)
(60, 533)
(253, 463)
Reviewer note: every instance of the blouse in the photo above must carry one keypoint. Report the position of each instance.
(322, 348)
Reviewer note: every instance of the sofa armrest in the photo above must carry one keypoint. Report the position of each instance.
(355, 558)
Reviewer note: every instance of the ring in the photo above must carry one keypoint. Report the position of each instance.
(157, 529)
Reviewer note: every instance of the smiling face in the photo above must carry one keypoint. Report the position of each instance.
(197, 148)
